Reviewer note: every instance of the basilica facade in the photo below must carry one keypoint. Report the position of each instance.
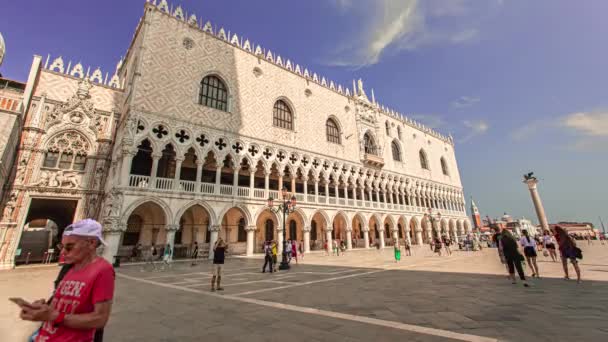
(197, 128)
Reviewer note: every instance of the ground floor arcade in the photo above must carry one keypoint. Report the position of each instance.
(246, 226)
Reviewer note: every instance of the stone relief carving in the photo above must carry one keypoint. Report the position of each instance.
(91, 208)
(113, 203)
(9, 207)
(57, 179)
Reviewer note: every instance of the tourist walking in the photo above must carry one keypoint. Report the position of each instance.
(194, 255)
(294, 250)
(267, 257)
(301, 249)
(496, 240)
(447, 242)
(92, 275)
(335, 248)
(153, 254)
(219, 252)
(273, 250)
(437, 244)
(397, 251)
(325, 248)
(549, 243)
(167, 256)
(529, 245)
(568, 251)
(408, 248)
(513, 258)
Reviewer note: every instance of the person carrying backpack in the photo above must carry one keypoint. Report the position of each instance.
(267, 257)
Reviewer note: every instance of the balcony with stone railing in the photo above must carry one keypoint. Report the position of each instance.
(250, 193)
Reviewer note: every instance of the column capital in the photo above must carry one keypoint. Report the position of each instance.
(306, 228)
(251, 228)
(113, 226)
(157, 155)
(200, 162)
(214, 228)
(328, 229)
(172, 227)
(179, 159)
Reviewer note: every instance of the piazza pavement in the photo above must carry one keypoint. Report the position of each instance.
(363, 295)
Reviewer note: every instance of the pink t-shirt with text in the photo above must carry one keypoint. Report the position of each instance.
(78, 293)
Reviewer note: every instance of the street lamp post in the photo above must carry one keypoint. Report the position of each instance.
(288, 206)
(432, 219)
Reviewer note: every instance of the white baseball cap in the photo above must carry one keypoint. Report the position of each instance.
(86, 228)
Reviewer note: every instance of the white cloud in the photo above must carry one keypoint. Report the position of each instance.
(465, 101)
(476, 128)
(587, 124)
(389, 26)
(528, 130)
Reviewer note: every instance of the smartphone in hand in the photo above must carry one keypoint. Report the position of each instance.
(21, 302)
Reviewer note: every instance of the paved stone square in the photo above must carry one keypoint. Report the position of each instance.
(360, 296)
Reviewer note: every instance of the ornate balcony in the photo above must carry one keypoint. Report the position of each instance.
(373, 160)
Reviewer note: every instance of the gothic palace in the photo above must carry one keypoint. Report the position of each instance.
(193, 133)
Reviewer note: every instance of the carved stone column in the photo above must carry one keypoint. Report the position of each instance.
(306, 232)
(349, 239)
(178, 173)
(218, 177)
(112, 233)
(366, 238)
(418, 232)
(199, 173)
(251, 182)
(250, 239)
(266, 184)
(125, 168)
(538, 204)
(329, 240)
(155, 158)
(381, 233)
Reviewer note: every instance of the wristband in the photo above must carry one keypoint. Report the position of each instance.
(59, 320)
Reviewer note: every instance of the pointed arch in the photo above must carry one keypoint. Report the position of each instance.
(166, 210)
(396, 150)
(444, 166)
(205, 205)
(424, 162)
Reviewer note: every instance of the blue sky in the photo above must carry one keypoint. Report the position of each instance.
(522, 85)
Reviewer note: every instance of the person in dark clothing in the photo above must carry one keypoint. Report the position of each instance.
(512, 256)
(267, 257)
(219, 251)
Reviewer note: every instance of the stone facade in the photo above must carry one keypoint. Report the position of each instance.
(162, 168)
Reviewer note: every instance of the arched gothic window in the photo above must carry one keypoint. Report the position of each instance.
(387, 231)
(444, 167)
(131, 236)
(332, 131)
(396, 151)
(369, 144)
(242, 234)
(282, 116)
(142, 162)
(177, 238)
(69, 149)
(269, 230)
(313, 230)
(293, 233)
(213, 93)
(423, 160)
